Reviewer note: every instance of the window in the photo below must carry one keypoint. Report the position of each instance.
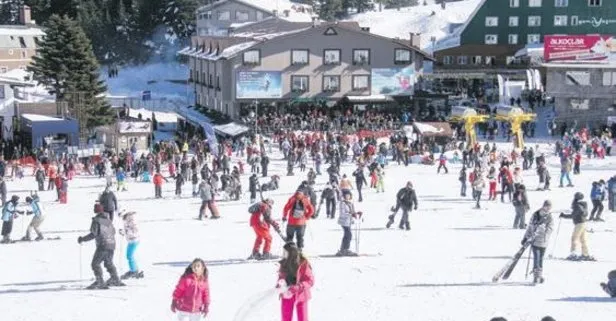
(561, 3)
(560, 21)
(476, 60)
(491, 21)
(203, 79)
(331, 83)
(331, 57)
(252, 57)
(402, 56)
(490, 60)
(217, 82)
(447, 60)
(577, 78)
(330, 32)
(2, 95)
(534, 21)
(299, 83)
(491, 39)
(609, 78)
(241, 15)
(361, 56)
(361, 82)
(24, 54)
(462, 60)
(259, 15)
(206, 15)
(533, 38)
(299, 56)
(210, 83)
(224, 15)
(511, 60)
(514, 3)
(534, 3)
(583, 104)
(574, 20)
(513, 39)
(594, 3)
(514, 21)
(22, 42)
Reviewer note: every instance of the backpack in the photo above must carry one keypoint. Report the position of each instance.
(298, 209)
(254, 208)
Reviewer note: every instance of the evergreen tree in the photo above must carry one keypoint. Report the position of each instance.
(66, 64)
(179, 17)
(9, 11)
(328, 10)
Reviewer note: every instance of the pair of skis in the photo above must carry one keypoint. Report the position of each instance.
(505, 272)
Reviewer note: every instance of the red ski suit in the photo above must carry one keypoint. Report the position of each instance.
(288, 210)
(260, 220)
(301, 293)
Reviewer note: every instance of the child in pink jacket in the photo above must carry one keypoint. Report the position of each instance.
(295, 275)
(191, 298)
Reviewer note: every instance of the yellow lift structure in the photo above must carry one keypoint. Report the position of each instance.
(516, 117)
(470, 118)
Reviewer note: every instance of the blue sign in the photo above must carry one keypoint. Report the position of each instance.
(146, 95)
(392, 81)
(258, 85)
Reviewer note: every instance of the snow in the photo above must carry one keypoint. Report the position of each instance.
(438, 271)
(33, 117)
(395, 23)
(21, 31)
(282, 5)
(235, 49)
(426, 128)
(161, 117)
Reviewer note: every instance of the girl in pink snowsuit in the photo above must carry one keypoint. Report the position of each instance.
(295, 274)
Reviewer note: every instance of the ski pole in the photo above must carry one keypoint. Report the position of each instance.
(80, 262)
(555, 239)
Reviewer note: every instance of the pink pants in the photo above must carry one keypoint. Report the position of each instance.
(287, 310)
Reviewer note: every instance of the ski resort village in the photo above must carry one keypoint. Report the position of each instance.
(308, 160)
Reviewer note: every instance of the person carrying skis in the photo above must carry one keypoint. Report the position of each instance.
(579, 212)
(9, 213)
(538, 234)
(103, 232)
(407, 199)
(131, 232)
(346, 219)
(297, 210)
(296, 279)
(260, 221)
(191, 297)
(330, 196)
(520, 204)
(37, 220)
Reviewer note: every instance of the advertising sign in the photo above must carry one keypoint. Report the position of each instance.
(126, 127)
(392, 81)
(258, 84)
(580, 48)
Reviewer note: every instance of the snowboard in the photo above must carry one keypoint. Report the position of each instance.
(506, 271)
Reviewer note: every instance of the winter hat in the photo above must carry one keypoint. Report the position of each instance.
(547, 203)
(98, 208)
(14, 198)
(578, 196)
(28, 199)
(290, 246)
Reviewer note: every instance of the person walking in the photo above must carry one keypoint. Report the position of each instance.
(103, 232)
(538, 233)
(296, 279)
(40, 178)
(579, 213)
(407, 200)
(521, 206)
(346, 219)
(297, 210)
(131, 232)
(191, 297)
(462, 179)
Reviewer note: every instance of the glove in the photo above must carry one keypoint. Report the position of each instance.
(275, 225)
(415, 207)
(284, 219)
(204, 310)
(173, 309)
(360, 214)
(561, 215)
(524, 240)
(80, 240)
(121, 231)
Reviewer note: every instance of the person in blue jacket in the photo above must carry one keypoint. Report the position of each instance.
(9, 213)
(597, 195)
(121, 178)
(611, 190)
(37, 220)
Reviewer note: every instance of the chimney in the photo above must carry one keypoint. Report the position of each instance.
(25, 16)
(416, 40)
(315, 21)
(275, 13)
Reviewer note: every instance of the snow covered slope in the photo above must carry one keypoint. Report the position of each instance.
(441, 270)
(395, 23)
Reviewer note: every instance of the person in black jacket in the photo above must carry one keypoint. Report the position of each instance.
(407, 199)
(331, 197)
(579, 214)
(253, 187)
(40, 178)
(2, 190)
(103, 232)
(264, 163)
(109, 202)
(360, 180)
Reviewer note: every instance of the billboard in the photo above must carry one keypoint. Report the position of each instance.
(392, 81)
(579, 48)
(258, 84)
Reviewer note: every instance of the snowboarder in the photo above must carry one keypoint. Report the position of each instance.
(260, 221)
(298, 210)
(538, 233)
(131, 232)
(346, 219)
(295, 275)
(9, 213)
(37, 220)
(191, 297)
(407, 199)
(579, 213)
(103, 232)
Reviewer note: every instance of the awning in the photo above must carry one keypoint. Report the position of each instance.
(369, 99)
(231, 129)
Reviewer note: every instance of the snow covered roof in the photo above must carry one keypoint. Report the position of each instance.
(297, 11)
(17, 30)
(161, 117)
(35, 118)
(231, 129)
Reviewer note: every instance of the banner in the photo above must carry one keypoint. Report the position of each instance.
(579, 48)
(125, 127)
(530, 79)
(392, 81)
(501, 88)
(538, 82)
(258, 85)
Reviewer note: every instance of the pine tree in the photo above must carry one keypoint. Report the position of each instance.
(9, 11)
(179, 17)
(66, 64)
(328, 10)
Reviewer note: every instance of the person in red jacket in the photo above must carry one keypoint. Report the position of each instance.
(260, 221)
(298, 209)
(295, 278)
(158, 184)
(191, 297)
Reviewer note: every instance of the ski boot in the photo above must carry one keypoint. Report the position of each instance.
(26, 238)
(587, 258)
(345, 253)
(254, 256)
(139, 275)
(573, 257)
(390, 222)
(114, 281)
(99, 284)
(40, 237)
(407, 226)
(537, 277)
(266, 256)
(128, 275)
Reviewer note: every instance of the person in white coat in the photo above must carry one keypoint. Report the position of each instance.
(346, 217)
(131, 232)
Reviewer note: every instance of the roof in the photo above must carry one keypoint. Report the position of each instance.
(268, 6)
(17, 77)
(20, 30)
(269, 26)
(19, 36)
(40, 118)
(453, 40)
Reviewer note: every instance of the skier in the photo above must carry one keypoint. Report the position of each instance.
(346, 219)
(191, 297)
(103, 231)
(407, 199)
(295, 275)
(9, 213)
(37, 220)
(260, 221)
(442, 163)
(298, 210)
(579, 212)
(597, 195)
(520, 204)
(538, 233)
(253, 187)
(109, 202)
(330, 196)
(131, 232)
(40, 178)
(610, 286)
